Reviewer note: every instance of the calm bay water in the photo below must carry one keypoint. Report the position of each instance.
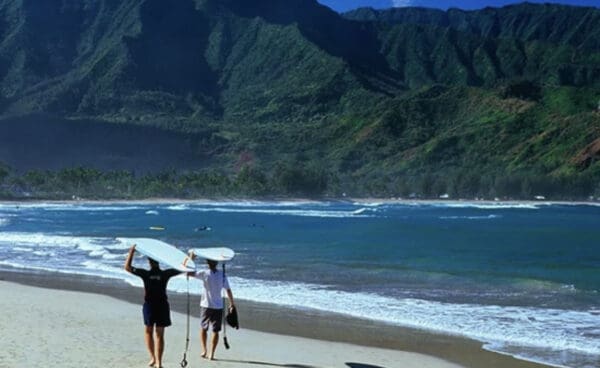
(522, 278)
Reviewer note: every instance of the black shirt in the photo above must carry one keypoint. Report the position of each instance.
(155, 283)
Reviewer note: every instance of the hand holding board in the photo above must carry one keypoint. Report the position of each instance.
(161, 252)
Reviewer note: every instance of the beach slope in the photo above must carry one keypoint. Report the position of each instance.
(57, 328)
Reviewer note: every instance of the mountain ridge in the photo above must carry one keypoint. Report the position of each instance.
(575, 26)
(380, 101)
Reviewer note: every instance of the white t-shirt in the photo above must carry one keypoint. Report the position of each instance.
(214, 282)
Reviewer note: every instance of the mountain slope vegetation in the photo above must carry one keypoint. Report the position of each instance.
(291, 98)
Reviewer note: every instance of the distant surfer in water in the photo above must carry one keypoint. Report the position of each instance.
(157, 314)
(211, 304)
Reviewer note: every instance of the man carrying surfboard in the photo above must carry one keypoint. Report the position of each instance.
(157, 314)
(211, 304)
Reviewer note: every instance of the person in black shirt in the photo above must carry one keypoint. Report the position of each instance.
(157, 314)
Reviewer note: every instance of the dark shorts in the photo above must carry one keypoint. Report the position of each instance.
(158, 314)
(211, 318)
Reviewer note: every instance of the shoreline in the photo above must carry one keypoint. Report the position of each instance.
(268, 200)
(81, 329)
(315, 325)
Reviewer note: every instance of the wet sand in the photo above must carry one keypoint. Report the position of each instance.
(270, 335)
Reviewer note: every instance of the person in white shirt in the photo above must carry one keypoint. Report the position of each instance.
(211, 304)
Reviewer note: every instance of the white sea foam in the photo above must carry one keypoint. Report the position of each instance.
(86, 207)
(23, 249)
(18, 265)
(68, 271)
(521, 326)
(288, 212)
(525, 327)
(152, 212)
(368, 204)
(93, 267)
(488, 217)
(4, 221)
(555, 358)
(86, 245)
(113, 256)
(98, 253)
(36, 239)
(488, 205)
(42, 253)
(364, 210)
(179, 207)
(94, 247)
(119, 245)
(450, 204)
(32, 205)
(250, 203)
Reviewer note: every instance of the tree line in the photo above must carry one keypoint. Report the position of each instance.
(289, 180)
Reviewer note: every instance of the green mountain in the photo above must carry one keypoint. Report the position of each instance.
(551, 44)
(549, 23)
(288, 97)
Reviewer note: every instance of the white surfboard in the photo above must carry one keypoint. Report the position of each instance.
(214, 254)
(162, 252)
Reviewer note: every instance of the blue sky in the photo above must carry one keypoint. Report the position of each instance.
(345, 5)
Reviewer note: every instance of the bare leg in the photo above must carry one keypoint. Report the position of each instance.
(213, 345)
(149, 338)
(160, 345)
(203, 341)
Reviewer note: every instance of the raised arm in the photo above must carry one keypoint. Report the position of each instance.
(192, 256)
(129, 259)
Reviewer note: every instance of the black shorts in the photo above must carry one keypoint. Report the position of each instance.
(158, 314)
(211, 318)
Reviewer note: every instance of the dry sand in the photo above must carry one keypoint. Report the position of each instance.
(57, 328)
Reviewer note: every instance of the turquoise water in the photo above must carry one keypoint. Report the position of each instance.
(522, 278)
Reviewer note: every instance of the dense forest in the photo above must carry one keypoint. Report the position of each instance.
(213, 98)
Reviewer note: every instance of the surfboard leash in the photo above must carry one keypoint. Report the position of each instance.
(184, 361)
(223, 320)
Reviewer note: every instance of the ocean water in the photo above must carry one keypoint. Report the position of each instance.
(522, 278)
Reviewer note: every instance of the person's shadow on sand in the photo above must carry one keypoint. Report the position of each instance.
(361, 365)
(268, 364)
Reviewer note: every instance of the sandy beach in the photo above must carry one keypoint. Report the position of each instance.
(55, 320)
(47, 327)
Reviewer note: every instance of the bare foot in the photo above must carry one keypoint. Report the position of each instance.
(203, 355)
(212, 357)
(151, 363)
